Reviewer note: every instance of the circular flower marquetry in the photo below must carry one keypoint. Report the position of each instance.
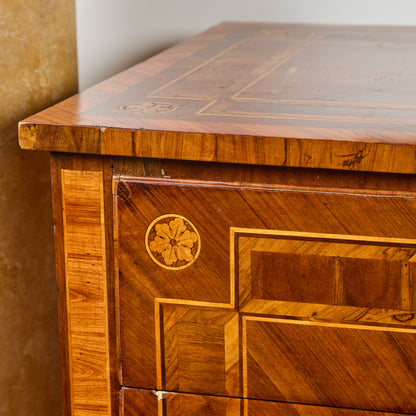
(172, 242)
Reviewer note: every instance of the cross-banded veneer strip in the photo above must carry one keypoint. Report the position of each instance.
(86, 297)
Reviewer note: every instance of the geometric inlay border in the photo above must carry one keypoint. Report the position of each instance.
(243, 309)
(245, 242)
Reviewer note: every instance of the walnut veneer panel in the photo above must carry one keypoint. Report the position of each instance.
(218, 295)
(287, 95)
(372, 273)
(139, 402)
(200, 349)
(148, 403)
(151, 403)
(292, 276)
(261, 408)
(329, 364)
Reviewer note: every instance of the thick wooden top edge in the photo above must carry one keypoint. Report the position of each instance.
(239, 86)
(224, 148)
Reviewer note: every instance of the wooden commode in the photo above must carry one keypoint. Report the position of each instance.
(235, 226)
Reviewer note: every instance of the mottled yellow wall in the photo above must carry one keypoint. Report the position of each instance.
(37, 69)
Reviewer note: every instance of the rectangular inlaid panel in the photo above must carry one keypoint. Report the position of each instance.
(85, 273)
(201, 350)
(323, 279)
(200, 265)
(137, 402)
(353, 271)
(292, 277)
(330, 364)
(375, 283)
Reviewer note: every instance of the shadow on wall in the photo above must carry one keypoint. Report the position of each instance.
(37, 69)
(126, 59)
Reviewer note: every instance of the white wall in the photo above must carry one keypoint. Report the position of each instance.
(115, 34)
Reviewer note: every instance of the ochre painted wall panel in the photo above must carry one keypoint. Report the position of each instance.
(37, 69)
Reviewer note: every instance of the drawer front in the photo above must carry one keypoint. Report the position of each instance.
(291, 296)
(136, 402)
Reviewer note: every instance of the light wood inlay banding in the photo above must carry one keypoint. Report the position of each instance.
(358, 271)
(86, 292)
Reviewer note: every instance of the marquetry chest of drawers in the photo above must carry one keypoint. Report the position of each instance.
(236, 227)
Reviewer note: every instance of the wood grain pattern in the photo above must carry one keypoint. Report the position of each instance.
(138, 402)
(318, 180)
(145, 403)
(200, 350)
(303, 267)
(291, 276)
(321, 312)
(216, 340)
(171, 404)
(275, 103)
(86, 293)
(328, 364)
(97, 166)
(374, 283)
(261, 408)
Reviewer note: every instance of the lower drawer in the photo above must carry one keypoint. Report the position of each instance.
(135, 402)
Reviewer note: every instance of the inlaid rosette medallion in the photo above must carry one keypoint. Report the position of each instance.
(172, 242)
(147, 107)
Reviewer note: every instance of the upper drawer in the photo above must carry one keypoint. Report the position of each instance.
(296, 296)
